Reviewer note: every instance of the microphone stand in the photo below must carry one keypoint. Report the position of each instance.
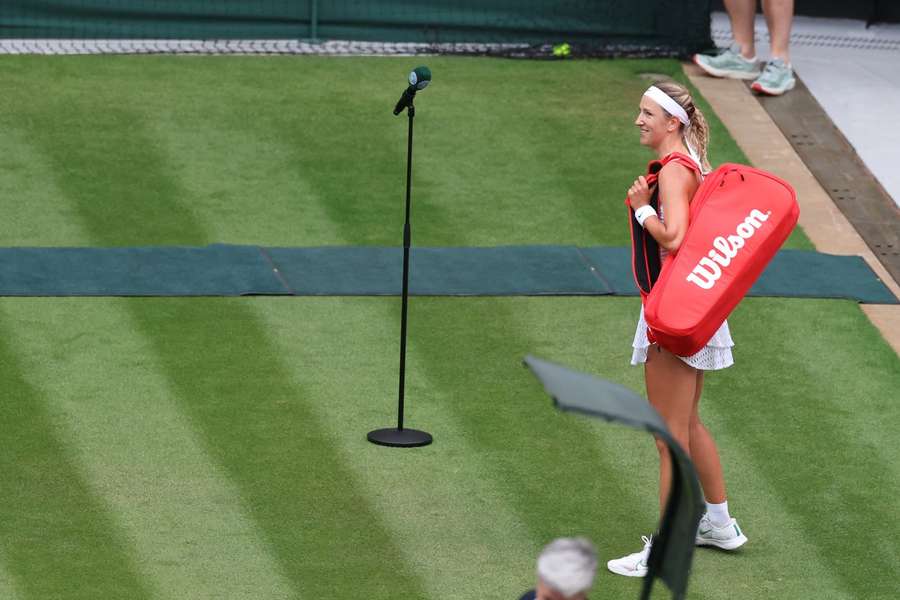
(400, 437)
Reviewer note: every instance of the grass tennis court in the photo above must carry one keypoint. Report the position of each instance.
(215, 448)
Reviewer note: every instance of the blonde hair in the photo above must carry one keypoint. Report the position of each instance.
(697, 135)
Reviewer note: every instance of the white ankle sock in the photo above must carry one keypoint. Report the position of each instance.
(718, 513)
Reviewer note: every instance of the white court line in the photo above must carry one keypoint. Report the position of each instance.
(180, 513)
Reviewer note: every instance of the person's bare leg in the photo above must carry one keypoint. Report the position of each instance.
(671, 386)
(704, 453)
(779, 18)
(742, 14)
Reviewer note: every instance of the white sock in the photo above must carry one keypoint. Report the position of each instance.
(718, 513)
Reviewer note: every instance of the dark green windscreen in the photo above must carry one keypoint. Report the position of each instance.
(680, 25)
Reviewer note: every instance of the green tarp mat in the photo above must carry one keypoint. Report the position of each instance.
(228, 270)
(216, 270)
(500, 271)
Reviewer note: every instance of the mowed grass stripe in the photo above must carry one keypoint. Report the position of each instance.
(31, 214)
(8, 587)
(531, 446)
(249, 181)
(453, 523)
(804, 424)
(486, 166)
(183, 518)
(58, 536)
(233, 382)
(865, 412)
(781, 560)
(99, 150)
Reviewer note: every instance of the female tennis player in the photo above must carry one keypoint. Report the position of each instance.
(669, 122)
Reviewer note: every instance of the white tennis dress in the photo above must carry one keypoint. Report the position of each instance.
(716, 354)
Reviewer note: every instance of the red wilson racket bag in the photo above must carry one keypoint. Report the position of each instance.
(739, 218)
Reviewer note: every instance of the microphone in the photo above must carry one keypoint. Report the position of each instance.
(419, 78)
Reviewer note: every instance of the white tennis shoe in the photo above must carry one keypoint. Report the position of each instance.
(633, 565)
(726, 537)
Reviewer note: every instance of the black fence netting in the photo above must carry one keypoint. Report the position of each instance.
(658, 27)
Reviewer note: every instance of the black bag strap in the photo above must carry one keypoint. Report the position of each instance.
(646, 262)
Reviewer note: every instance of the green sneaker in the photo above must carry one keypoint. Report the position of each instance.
(776, 79)
(728, 63)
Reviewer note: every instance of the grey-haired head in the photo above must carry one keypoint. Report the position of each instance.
(566, 568)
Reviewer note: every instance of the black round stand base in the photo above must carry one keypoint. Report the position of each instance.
(402, 438)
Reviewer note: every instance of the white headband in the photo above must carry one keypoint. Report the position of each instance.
(670, 106)
(676, 110)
